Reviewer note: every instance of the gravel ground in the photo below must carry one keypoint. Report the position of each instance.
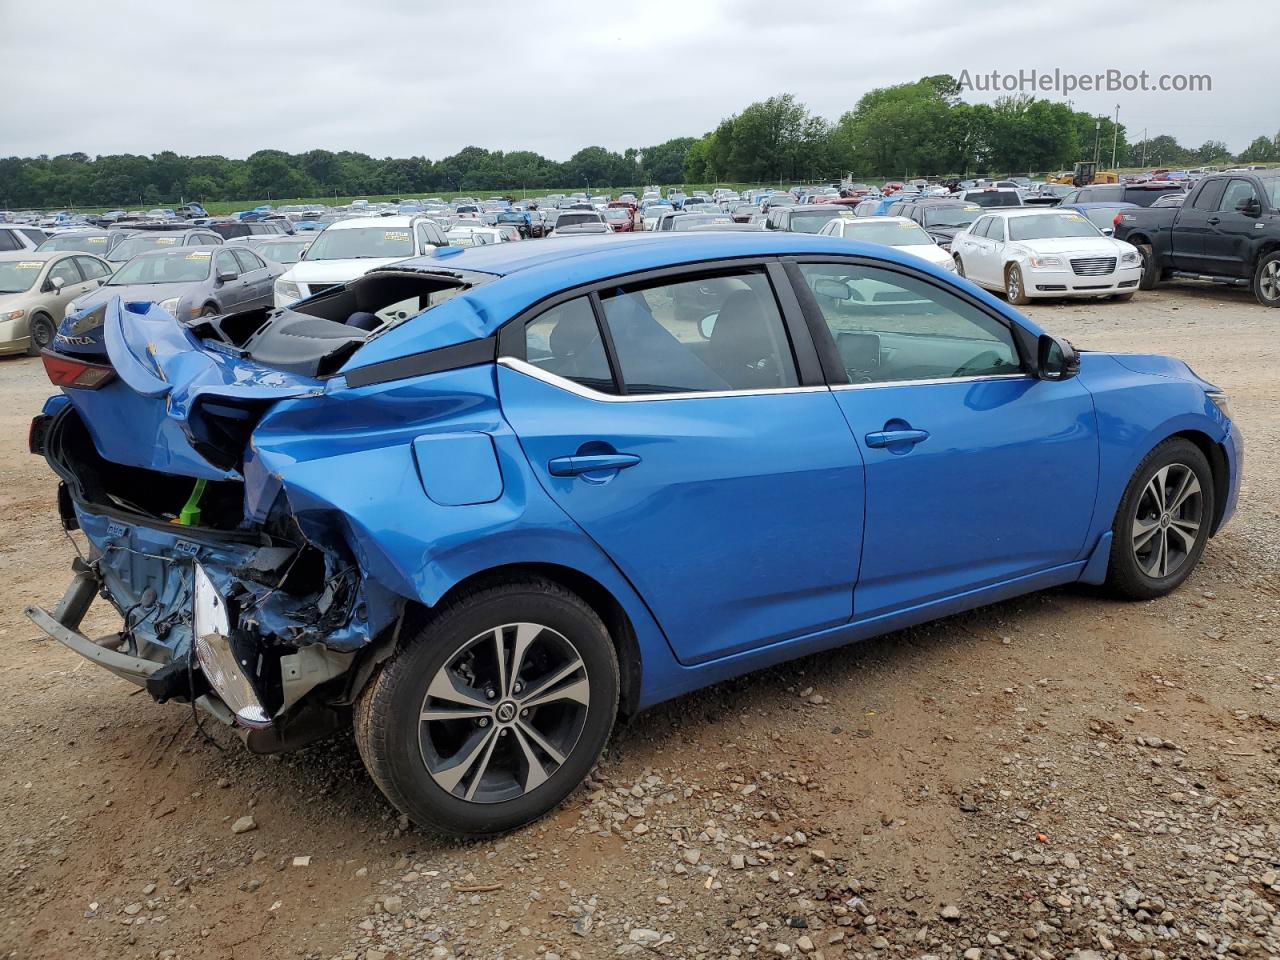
(1057, 776)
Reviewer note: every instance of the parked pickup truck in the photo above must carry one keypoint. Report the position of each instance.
(1226, 231)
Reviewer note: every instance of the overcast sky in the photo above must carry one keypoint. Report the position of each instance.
(417, 77)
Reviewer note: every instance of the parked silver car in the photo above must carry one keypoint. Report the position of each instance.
(191, 281)
(34, 291)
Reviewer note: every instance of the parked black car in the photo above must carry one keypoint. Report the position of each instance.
(941, 218)
(251, 228)
(1226, 231)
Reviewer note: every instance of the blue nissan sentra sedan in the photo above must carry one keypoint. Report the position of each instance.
(480, 503)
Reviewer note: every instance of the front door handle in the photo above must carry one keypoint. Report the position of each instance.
(1214, 221)
(884, 438)
(572, 466)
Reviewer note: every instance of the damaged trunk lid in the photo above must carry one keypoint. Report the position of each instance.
(178, 403)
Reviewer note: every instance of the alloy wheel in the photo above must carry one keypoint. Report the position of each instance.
(1012, 285)
(1167, 522)
(504, 713)
(1269, 282)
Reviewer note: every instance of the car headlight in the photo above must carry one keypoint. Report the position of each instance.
(1130, 257)
(1038, 261)
(12, 315)
(171, 305)
(1219, 400)
(287, 291)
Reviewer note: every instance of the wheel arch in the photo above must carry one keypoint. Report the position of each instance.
(1218, 465)
(597, 596)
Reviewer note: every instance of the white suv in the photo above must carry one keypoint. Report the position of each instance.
(15, 238)
(351, 248)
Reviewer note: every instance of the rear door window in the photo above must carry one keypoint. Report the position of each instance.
(565, 341)
(709, 332)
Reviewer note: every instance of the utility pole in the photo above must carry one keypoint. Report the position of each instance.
(1097, 138)
(1115, 137)
(1144, 146)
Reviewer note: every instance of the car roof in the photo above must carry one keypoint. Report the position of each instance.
(44, 256)
(543, 269)
(1093, 205)
(178, 251)
(1028, 211)
(392, 221)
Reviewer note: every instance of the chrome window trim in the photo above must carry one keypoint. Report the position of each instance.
(979, 378)
(577, 389)
(529, 369)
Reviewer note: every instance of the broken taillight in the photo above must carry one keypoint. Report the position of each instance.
(67, 371)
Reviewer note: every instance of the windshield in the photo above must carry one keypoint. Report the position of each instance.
(283, 252)
(689, 221)
(568, 219)
(617, 213)
(173, 268)
(811, 221)
(1271, 185)
(1051, 227)
(892, 233)
(18, 275)
(127, 249)
(951, 216)
(79, 242)
(358, 243)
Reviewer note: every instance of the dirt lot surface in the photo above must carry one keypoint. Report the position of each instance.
(1056, 776)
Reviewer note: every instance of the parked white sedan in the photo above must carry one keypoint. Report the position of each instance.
(1028, 253)
(902, 232)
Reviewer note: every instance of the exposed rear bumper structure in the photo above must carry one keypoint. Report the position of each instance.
(63, 625)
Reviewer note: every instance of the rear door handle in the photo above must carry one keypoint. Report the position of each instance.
(572, 466)
(883, 438)
(1214, 220)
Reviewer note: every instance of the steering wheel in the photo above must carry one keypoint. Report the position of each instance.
(983, 362)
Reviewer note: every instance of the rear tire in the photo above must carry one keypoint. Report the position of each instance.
(1015, 290)
(1162, 523)
(959, 266)
(513, 752)
(1150, 272)
(41, 332)
(1266, 280)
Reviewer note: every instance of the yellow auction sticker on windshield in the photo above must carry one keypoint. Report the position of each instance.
(30, 264)
(166, 241)
(396, 235)
(95, 239)
(1073, 216)
(199, 255)
(971, 209)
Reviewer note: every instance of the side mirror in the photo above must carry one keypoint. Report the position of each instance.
(1108, 231)
(707, 325)
(1249, 206)
(56, 284)
(1057, 359)
(226, 276)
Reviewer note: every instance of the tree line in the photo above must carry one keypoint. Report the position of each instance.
(910, 129)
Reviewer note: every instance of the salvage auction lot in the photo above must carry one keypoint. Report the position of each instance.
(1057, 772)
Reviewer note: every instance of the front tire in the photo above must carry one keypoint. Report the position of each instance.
(1015, 289)
(40, 334)
(959, 266)
(1266, 280)
(494, 711)
(1150, 272)
(1162, 523)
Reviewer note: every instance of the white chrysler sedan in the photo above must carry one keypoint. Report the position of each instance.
(1028, 253)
